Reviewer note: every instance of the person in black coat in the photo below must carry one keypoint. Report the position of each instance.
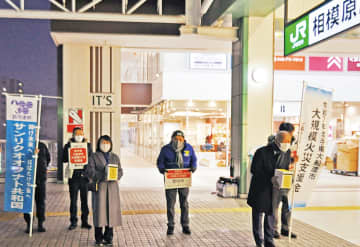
(78, 182)
(260, 194)
(40, 189)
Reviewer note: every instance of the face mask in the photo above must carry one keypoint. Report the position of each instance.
(178, 143)
(284, 147)
(105, 147)
(79, 138)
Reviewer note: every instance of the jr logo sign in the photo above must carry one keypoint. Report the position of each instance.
(296, 35)
(298, 39)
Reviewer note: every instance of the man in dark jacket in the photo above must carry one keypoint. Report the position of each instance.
(40, 189)
(178, 154)
(78, 182)
(261, 188)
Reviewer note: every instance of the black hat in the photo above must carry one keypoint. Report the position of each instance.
(177, 133)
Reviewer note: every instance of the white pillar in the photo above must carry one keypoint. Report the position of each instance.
(193, 12)
(260, 68)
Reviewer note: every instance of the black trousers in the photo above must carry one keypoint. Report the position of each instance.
(77, 184)
(257, 218)
(40, 197)
(107, 235)
(184, 205)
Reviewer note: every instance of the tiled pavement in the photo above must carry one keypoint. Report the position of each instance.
(214, 222)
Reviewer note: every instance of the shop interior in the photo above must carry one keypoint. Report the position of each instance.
(205, 123)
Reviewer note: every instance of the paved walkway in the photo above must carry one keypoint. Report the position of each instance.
(214, 221)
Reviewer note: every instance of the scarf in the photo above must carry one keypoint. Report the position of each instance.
(178, 149)
(106, 156)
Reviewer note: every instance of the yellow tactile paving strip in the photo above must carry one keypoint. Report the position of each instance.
(10, 216)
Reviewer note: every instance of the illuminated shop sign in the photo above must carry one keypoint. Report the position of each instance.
(208, 61)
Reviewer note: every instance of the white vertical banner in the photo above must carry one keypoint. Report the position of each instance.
(314, 126)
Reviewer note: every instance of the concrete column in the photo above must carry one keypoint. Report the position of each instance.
(252, 92)
(193, 12)
(93, 69)
(59, 174)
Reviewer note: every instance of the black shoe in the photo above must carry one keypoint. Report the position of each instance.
(276, 235)
(98, 243)
(286, 233)
(27, 229)
(85, 225)
(72, 226)
(269, 244)
(108, 243)
(186, 230)
(41, 228)
(170, 230)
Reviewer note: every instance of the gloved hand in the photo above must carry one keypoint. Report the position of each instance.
(192, 169)
(162, 170)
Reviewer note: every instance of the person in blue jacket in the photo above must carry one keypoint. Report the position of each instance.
(178, 154)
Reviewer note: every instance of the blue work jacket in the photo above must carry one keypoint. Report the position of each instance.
(167, 157)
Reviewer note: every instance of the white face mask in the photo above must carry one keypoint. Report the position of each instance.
(79, 138)
(284, 147)
(105, 147)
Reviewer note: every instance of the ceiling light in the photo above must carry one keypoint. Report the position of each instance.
(259, 75)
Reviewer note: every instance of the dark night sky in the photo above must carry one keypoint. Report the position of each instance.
(28, 54)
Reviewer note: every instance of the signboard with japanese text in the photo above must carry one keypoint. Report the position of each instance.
(78, 155)
(289, 63)
(326, 64)
(177, 178)
(314, 126)
(21, 126)
(320, 23)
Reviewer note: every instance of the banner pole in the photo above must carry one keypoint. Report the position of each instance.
(35, 165)
(297, 151)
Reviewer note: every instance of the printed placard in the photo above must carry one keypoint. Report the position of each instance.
(78, 155)
(111, 172)
(177, 178)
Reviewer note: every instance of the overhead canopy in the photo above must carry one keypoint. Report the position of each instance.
(239, 8)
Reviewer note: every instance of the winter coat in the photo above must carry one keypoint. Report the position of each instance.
(167, 158)
(42, 163)
(78, 172)
(263, 169)
(95, 171)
